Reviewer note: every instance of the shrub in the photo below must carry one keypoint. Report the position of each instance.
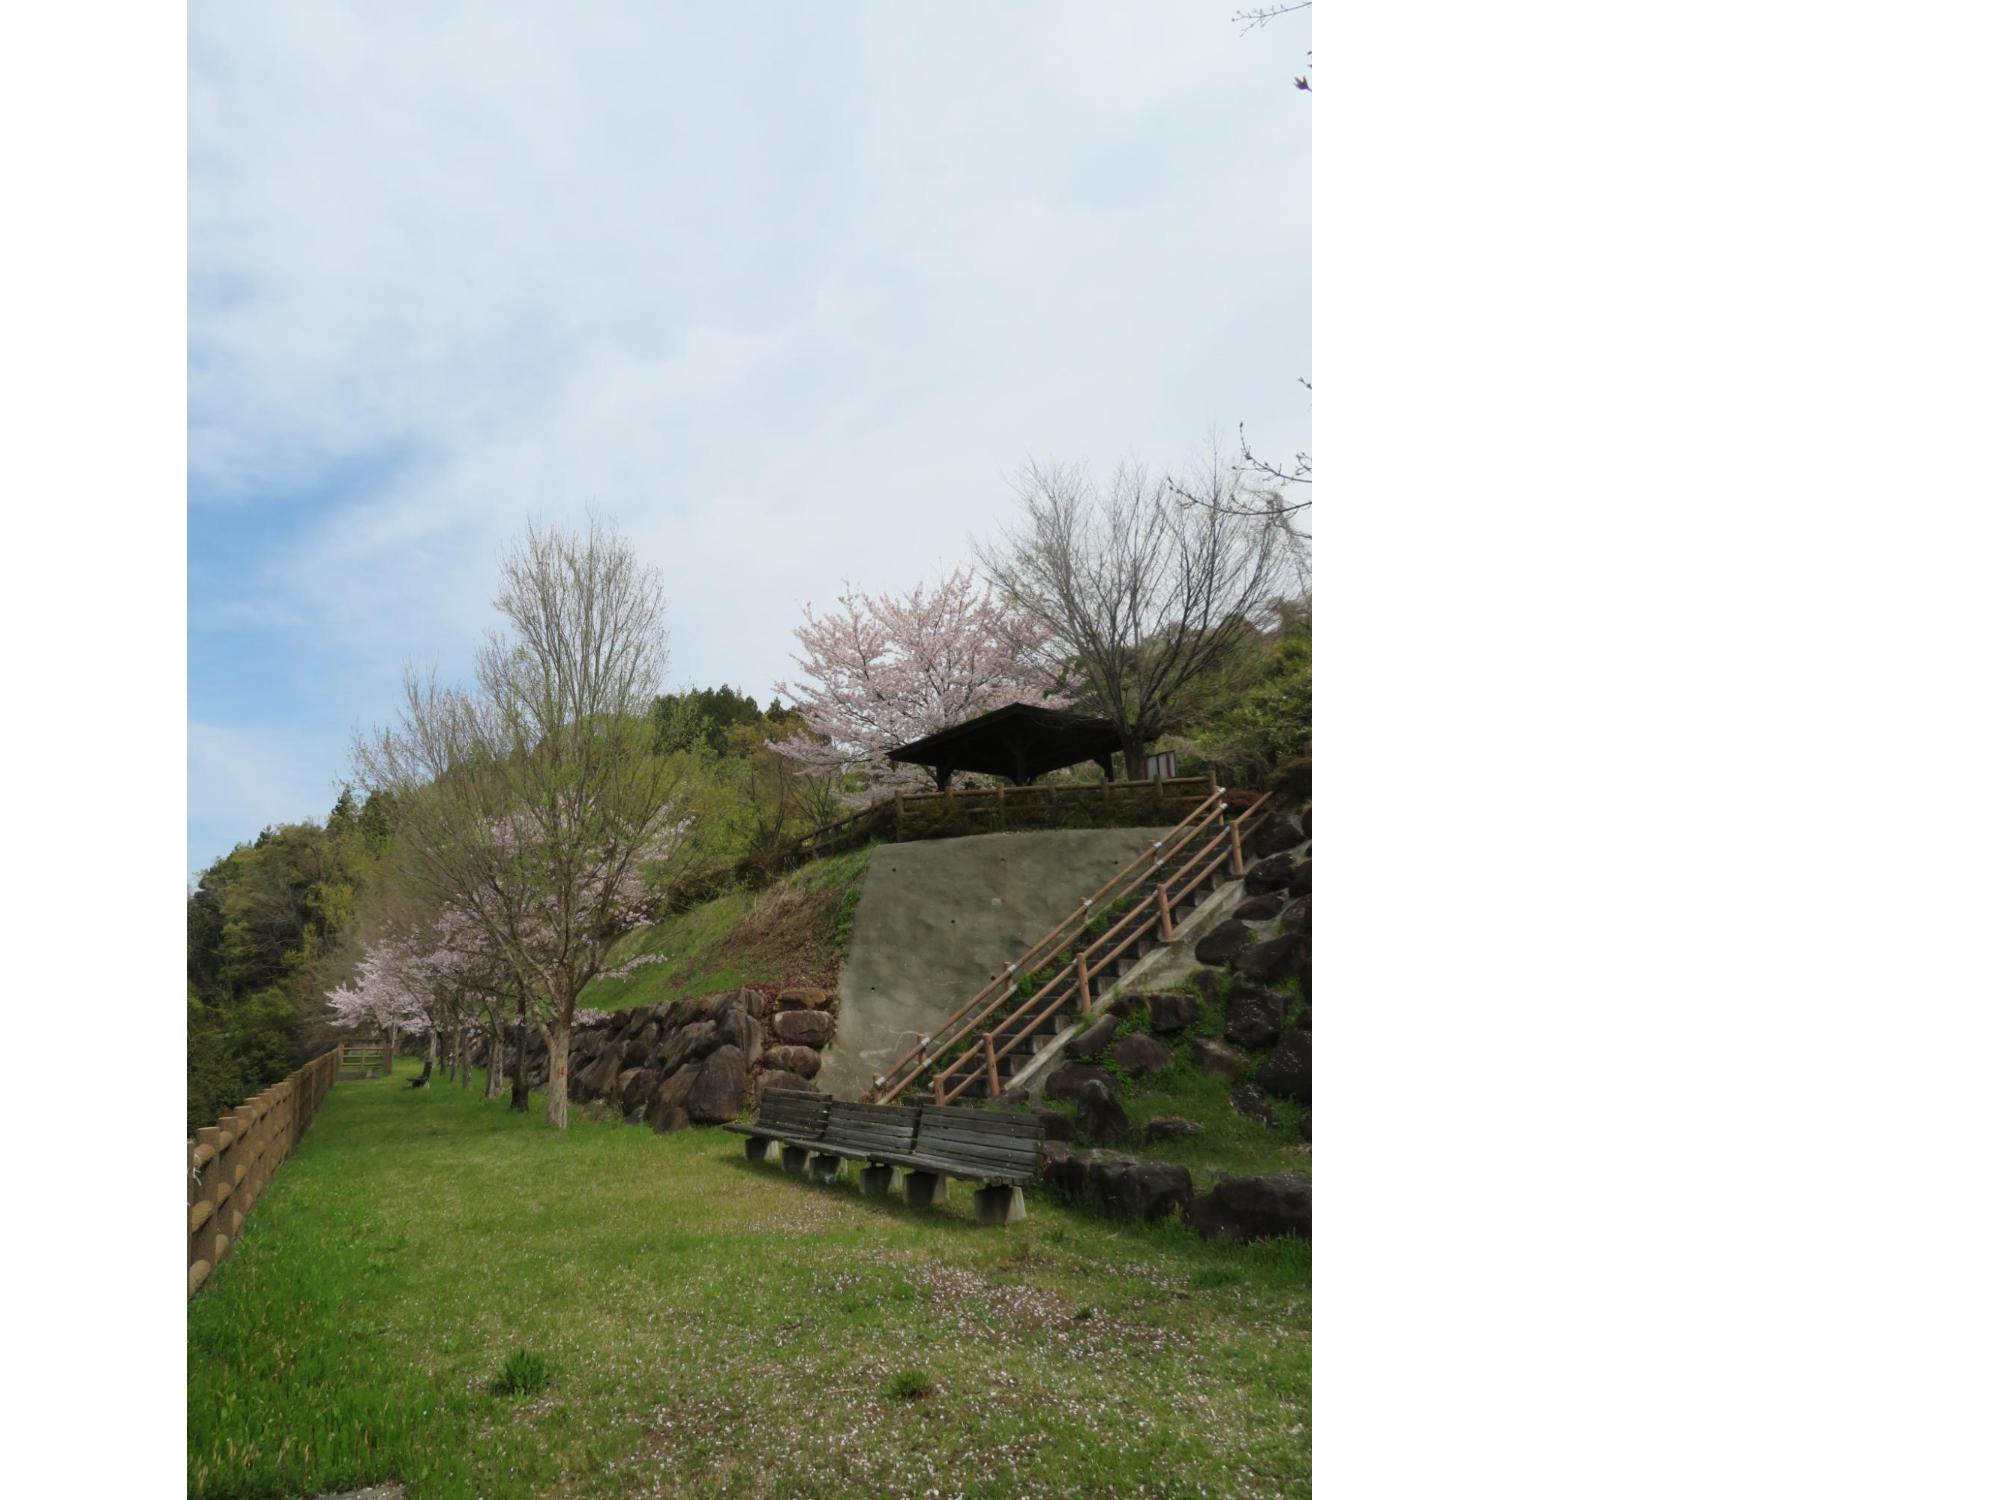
(911, 1385)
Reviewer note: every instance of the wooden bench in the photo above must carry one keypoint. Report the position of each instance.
(791, 1119)
(930, 1144)
(1000, 1151)
(875, 1134)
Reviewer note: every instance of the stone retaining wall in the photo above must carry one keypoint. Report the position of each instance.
(693, 1062)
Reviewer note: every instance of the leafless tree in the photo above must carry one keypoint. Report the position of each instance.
(1146, 600)
(1264, 15)
(532, 801)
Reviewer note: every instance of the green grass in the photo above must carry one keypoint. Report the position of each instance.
(714, 1328)
(794, 931)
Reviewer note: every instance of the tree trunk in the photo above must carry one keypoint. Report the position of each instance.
(423, 1079)
(389, 1054)
(496, 1060)
(558, 1032)
(519, 1103)
(1135, 758)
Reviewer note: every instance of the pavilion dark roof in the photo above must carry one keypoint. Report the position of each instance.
(1018, 742)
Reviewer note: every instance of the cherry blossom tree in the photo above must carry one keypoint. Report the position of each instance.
(884, 670)
(534, 801)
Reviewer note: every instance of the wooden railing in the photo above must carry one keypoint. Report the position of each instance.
(1208, 818)
(997, 809)
(1151, 918)
(231, 1162)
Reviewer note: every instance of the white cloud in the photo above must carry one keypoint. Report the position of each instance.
(786, 290)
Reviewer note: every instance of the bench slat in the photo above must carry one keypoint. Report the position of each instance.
(983, 1122)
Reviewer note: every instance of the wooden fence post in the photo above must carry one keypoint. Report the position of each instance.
(992, 1070)
(1166, 914)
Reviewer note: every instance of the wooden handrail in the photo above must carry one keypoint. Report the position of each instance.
(1108, 946)
(900, 1073)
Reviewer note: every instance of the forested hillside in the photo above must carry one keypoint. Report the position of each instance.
(310, 912)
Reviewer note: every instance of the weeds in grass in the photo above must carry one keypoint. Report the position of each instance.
(911, 1385)
(525, 1373)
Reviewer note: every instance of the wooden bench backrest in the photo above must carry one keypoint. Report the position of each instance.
(793, 1112)
(889, 1129)
(1006, 1144)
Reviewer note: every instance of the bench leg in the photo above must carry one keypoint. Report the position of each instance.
(999, 1205)
(793, 1159)
(758, 1149)
(924, 1189)
(878, 1182)
(826, 1168)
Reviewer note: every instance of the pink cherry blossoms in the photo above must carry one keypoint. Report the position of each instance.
(886, 670)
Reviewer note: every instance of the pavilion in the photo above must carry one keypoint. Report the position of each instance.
(1017, 743)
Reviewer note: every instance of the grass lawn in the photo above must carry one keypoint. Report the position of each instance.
(794, 931)
(709, 1327)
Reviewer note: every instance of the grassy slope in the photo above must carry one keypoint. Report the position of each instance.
(792, 932)
(716, 1328)
(1230, 1143)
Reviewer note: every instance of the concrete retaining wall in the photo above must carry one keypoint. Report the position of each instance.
(937, 920)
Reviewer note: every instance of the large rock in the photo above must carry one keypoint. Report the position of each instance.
(1299, 916)
(804, 1061)
(1248, 1100)
(690, 1043)
(1065, 1171)
(803, 997)
(1306, 1126)
(598, 1080)
(1099, 1116)
(639, 1051)
(1275, 837)
(636, 1086)
(1171, 1128)
(1274, 959)
(1170, 1011)
(1056, 1126)
(717, 1094)
(803, 1028)
(1139, 1055)
(1302, 880)
(1272, 874)
(779, 1078)
(1254, 1016)
(1208, 983)
(1217, 1059)
(1068, 1081)
(746, 1000)
(1093, 1039)
(671, 1100)
(1253, 1208)
(739, 1029)
(1221, 941)
(1259, 908)
(1287, 1072)
(1123, 1187)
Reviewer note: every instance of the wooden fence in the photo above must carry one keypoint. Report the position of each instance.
(997, 809)
(231, 1162)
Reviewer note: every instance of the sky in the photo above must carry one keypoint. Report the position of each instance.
(787, 291)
